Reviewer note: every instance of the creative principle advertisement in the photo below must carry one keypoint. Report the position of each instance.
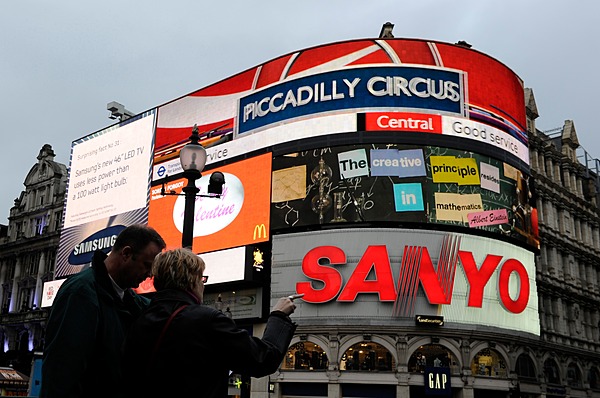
(390, 275)
(112, 163)
(239, 217)
(403, 183)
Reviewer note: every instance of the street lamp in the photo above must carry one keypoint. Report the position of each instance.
(193, 159)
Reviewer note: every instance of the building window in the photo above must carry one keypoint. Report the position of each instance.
(305, 355)
(50, 259)
(10, 269)
(432, 355)
(26, 299)
(574, 376)
(525, 368)
(488, 362)
(551, 372)
(57, 220)
(40, 224)
(42, 196)
(594, 378)
(32, 263)
(7, 292)
(367, 356)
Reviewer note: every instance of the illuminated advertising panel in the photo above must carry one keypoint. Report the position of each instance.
(240, 304)
(342, 78)
(403, 183)
(386, 87)
(326, 125)
(239, 217)
(447, 125)
(112, 163)
(227, 265)
(78, 244)
(390, 275)
(107, 190)
(49, 292)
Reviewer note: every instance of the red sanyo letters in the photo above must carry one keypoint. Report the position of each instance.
(437, 291)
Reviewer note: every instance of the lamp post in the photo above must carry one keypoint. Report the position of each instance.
(193, 158)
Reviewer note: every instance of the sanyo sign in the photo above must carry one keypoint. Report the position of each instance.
(464, 278)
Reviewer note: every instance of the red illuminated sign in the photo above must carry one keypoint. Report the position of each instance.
(402, 121)
(417, 263)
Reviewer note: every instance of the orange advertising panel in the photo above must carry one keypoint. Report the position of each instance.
(239, 217)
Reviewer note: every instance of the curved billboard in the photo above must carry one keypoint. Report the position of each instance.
(344, 87)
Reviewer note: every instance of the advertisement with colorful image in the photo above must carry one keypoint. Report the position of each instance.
(477, 191)
(239, 217)
(383, 183)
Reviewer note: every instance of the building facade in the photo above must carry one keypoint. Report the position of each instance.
(443, 244)
(27, 257)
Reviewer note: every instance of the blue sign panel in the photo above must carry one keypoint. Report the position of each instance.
(102, 240)
(393, 162)
(379, 87)
(408, 197)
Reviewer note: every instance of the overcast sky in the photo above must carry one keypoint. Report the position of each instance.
(62, 61)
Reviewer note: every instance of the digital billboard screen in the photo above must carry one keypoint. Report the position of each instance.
(107, 190)
(403, 183)
(239, 217)
(346, 78)
(390, 275)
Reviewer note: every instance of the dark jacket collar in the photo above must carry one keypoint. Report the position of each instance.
(102, 276)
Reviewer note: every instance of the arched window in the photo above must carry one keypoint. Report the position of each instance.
(488, 362)
(574, 376)
(594, 378)
(432, 355)
(305, 355)
(367, 356)
(551, 371)
(525, 368)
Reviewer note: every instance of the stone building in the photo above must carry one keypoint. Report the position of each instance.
(27, 255)
(568, 267)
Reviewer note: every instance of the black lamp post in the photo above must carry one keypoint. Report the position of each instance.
(193, 159)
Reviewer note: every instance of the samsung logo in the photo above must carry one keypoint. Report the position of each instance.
(102, 240)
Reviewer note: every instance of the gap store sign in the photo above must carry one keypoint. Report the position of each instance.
(384, 87)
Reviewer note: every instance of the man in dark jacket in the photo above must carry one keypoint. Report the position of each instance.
(181, 348)
(91, 315)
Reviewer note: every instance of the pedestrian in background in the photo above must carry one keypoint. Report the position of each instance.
(90, 317)
(181, 348)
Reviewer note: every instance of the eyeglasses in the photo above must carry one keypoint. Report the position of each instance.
(204, 278)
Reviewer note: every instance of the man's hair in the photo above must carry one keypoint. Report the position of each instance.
(177, 269)
(138, 236)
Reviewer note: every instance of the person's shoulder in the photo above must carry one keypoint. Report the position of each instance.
(202, 311)
(82, 282)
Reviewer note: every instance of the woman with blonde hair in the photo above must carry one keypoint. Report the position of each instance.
(181, 348)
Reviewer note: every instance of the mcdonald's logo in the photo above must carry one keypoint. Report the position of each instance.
(260, 229)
